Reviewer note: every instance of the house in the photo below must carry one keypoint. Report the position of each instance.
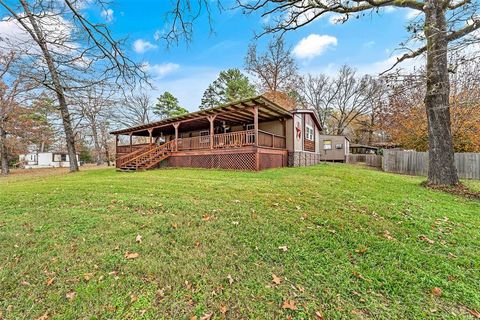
(362, 149)
(334, 148)
(251, 134)
(34, 159)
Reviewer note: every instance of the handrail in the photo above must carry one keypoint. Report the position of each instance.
(191, 143)
(167, 146)
(124, 158)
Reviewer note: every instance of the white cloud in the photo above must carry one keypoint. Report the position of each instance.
(160, 70)
(107, 14)
(369, 44)
(313, 45)
(390, 9)
(141, 46)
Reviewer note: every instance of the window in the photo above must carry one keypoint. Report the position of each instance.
(309, 133)
(250, 126)
(327, 144)
(64, 157)
(204, 136)
(338, 146)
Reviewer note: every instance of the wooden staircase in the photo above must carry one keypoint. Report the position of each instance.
(146, 158)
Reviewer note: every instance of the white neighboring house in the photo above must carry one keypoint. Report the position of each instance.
(35, 160)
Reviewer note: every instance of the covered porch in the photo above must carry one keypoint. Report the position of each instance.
(251, 124)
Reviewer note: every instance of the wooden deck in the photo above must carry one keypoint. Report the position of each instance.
(239, 150)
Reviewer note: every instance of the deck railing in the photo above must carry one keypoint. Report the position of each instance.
(193, 143)
(270, 140)
(234, 139)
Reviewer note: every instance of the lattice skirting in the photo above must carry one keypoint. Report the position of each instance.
(235, 161)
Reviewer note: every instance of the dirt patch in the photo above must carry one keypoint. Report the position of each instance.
(458, 190)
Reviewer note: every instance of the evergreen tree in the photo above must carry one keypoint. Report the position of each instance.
(231, 85)
(167, 106)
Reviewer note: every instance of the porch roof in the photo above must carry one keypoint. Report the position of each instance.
(236, 112)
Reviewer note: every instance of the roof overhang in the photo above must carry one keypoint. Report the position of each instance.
(311, 112)
(237, 112)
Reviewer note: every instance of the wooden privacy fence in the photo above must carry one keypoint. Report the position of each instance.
(371, 160)
(416, 163)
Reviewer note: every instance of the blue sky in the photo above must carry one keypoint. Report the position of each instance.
(185, 70)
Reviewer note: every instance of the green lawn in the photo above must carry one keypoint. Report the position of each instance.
(344, 241)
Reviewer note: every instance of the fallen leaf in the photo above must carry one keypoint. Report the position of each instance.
(133, 298)
(235, 223)
(207, 316)
(49, 281)
(44, 316)
(174, 225)
(87, 276)
(474, 313)
(387, 235)
(207, 217)
(361, 250)
(289, 304)
(283, 248)
(223, 310)
(70, 295)
(160, 294)
(319, 315)
(275, 279)
(230, 279)
(437, 292)
(25, 283)
(427, 240)
(131, 255)
(138, 238)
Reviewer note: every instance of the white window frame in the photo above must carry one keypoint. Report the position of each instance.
(327, 146)
(309, 132)
(338, 146)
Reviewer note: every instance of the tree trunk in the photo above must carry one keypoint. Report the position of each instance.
(98, 149)
(442, 169)
(4, 151)
(39, 38)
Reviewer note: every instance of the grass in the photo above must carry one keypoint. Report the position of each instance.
(359, 244)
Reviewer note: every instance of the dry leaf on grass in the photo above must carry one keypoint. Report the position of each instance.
(87, 276)
(223, 310)
(275, 279)
(427, 240)
(387, 235)
(207, 316)
(474, 313)
(49, 281)
(289, 304)
(44, 316)
(131, 255)
(230, 279)
(25, 283)
(138, 238)
(437, 292)
(318, 315)
(283, 248)
(70, 295)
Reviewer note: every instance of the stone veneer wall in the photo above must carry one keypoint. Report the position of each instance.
(302, 158)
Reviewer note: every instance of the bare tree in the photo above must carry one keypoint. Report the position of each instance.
(318, 92)
(275, 69)
(64, 49)
(94, 107)
(136, 109)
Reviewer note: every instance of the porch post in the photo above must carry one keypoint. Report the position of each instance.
(175, 125)
(150, 135)
(211, 119)
(130, 141)
(255, 124)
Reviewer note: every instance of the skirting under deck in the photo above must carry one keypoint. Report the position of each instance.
(246, 158)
